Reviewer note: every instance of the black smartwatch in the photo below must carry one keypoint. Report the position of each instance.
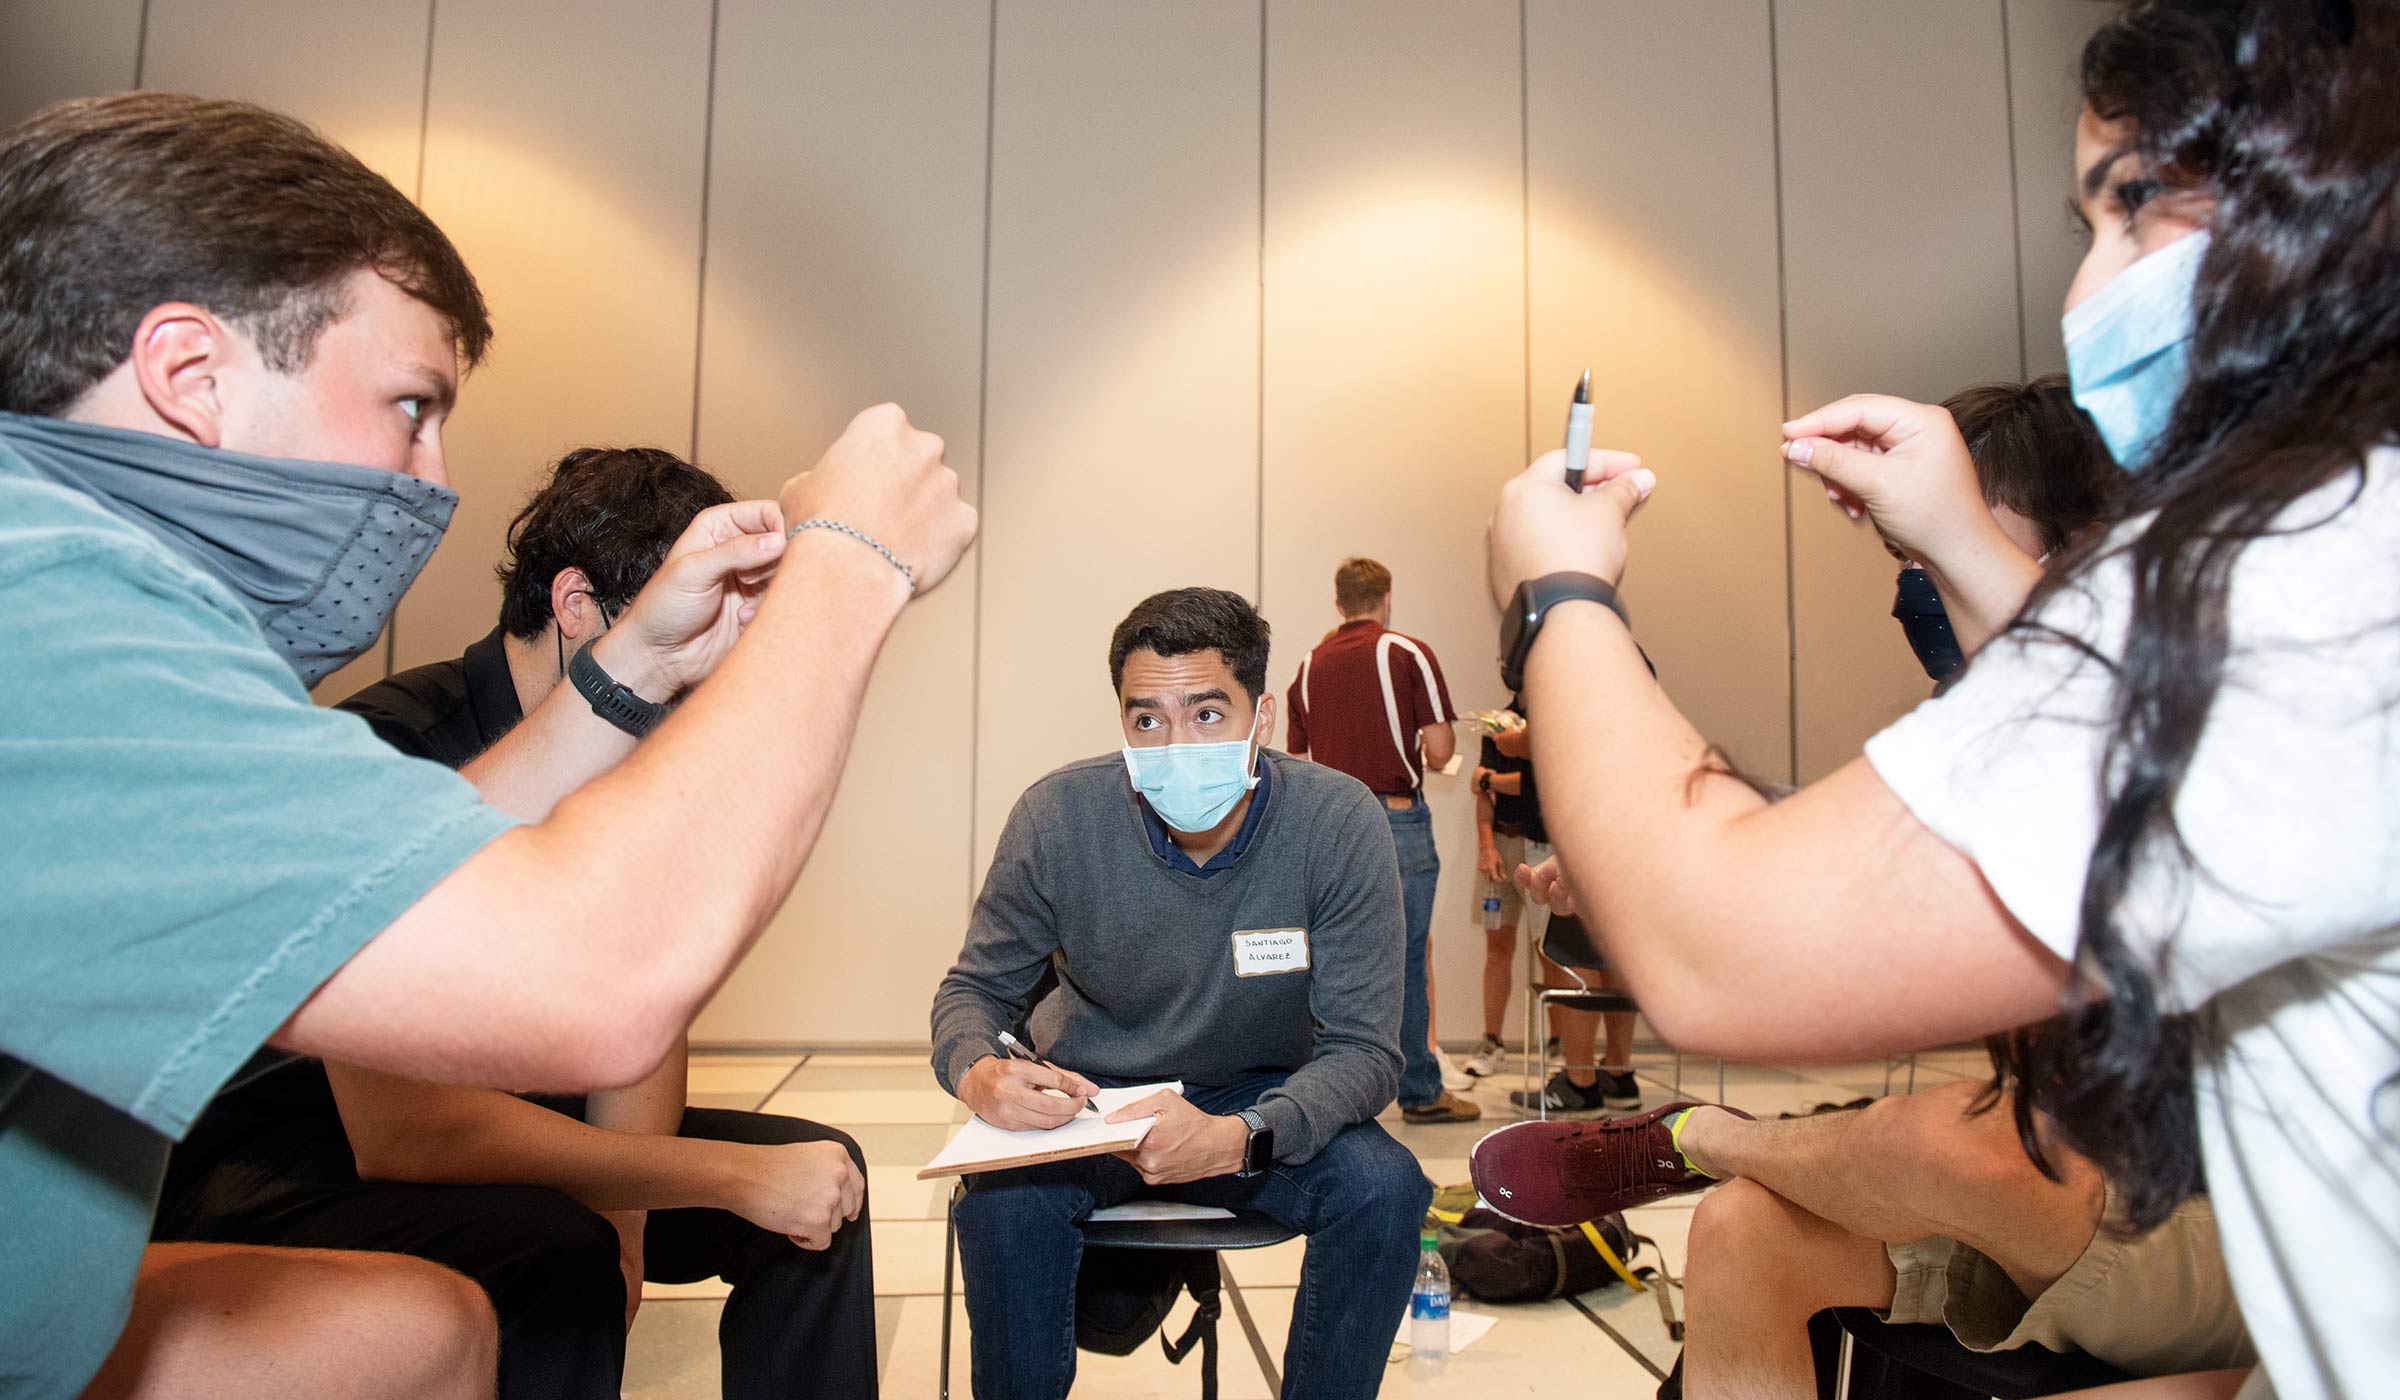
(611, 700)
(1522, 621)
(1260, 1153)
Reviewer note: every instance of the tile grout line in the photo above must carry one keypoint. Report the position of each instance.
(1616, 1336)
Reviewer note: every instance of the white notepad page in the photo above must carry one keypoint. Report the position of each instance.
(978, 1144)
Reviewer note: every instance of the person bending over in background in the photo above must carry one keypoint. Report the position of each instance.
(1976, 1236)
(1371, 702)
(227, 354)
(1218, 913)
(557, 1206)
(2159, 805)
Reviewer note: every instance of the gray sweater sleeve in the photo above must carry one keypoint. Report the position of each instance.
(1010, 938)
(1355, 946)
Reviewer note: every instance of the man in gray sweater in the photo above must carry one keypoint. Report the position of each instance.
(1214, 913)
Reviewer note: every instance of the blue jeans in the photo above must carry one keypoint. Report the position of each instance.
(1360, 1202)
(1420, 867)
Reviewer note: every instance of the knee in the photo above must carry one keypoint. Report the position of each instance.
(1383, 1182)
(1741, 1229)
(1500, 942)
(445, 1335)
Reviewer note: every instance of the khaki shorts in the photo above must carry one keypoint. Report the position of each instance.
(1514, 851)
(2155, 1305)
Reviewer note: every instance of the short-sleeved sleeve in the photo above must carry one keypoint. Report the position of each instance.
(2286, 805)
(196, 847)
(1417, 684)
(1295, 712)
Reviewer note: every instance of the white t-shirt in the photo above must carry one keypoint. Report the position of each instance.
(2291, 808)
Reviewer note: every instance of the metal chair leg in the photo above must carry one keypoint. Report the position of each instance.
(1258, 1346)
(1841, 1371)
(949, 1283)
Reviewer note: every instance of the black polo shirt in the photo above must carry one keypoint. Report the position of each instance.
(449, 711)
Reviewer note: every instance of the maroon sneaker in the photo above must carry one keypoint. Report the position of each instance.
(1562, 1173)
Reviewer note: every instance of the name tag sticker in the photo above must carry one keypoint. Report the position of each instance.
(1263, 952)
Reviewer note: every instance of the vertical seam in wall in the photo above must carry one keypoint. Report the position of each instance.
(2016, 199)
(141, 44)
(1783, 332)
(708, 158)
(1525, 205)
(1260, 414)
(983, 400)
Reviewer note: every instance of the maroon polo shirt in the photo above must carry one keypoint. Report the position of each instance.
(1360, 699)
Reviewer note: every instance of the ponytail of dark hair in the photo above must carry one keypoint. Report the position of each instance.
(2280, 112)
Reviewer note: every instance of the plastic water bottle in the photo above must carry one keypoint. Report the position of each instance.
(1491, 910)
(1429, 1307)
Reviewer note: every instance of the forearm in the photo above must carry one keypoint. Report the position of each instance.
(1508, 784)
(1983, 581)
(1484, 838)
(558, 748)
(1740, 926)
(445, 1136)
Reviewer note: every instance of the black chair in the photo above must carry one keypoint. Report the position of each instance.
(1569, 944)
(1244, 1230)
(1928, 1349)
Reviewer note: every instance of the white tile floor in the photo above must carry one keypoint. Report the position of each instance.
(891, 1104)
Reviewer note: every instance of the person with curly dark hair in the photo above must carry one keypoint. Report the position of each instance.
(558, 1207)
(2153, 818)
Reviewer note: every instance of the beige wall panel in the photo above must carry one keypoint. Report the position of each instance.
(2045, 50)
(845, 267)
(1910, 291)
(355, 71)
(1653, 262)
(563, 156)
(1121, 453)
(53, 49)
(1395, 350)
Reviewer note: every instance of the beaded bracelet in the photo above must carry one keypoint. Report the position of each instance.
(863, 538)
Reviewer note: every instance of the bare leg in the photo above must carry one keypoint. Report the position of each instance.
(1915, 1166)
(1758, 1267)
(1619, 1024)
(239, 1321)
(1577, 1031)
(1499, 971)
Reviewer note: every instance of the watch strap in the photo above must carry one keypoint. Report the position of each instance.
(611, 699)
(1260, 1133)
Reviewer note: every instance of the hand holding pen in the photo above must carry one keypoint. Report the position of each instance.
(1014, 1090)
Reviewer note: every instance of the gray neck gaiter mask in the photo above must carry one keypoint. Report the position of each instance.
(320, 551)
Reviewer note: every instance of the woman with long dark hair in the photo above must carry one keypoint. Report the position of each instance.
(2159, 814)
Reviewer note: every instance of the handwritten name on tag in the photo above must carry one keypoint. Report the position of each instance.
(1263, 952)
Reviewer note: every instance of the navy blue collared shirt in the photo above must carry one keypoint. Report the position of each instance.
(1173, 855)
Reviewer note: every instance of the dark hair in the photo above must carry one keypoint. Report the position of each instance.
(1184, 620)
(612, 512)
(112, 206)
(1359, 584)
(2281, 113)
(2037, 454)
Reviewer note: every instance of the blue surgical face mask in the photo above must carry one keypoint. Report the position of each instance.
(1193, 786)
(2128, 346)
(1927, 623)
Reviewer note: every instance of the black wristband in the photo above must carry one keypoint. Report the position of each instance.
(610, 699)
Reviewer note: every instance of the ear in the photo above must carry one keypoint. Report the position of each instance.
(571, 607)
(1266, 720)
(180, 355)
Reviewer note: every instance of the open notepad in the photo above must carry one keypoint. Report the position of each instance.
(980, 1147)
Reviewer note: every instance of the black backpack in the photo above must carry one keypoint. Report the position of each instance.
(1500, 1261)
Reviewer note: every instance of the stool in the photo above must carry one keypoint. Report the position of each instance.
(1244, 1230)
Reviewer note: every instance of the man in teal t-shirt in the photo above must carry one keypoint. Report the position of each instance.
(227, 351)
